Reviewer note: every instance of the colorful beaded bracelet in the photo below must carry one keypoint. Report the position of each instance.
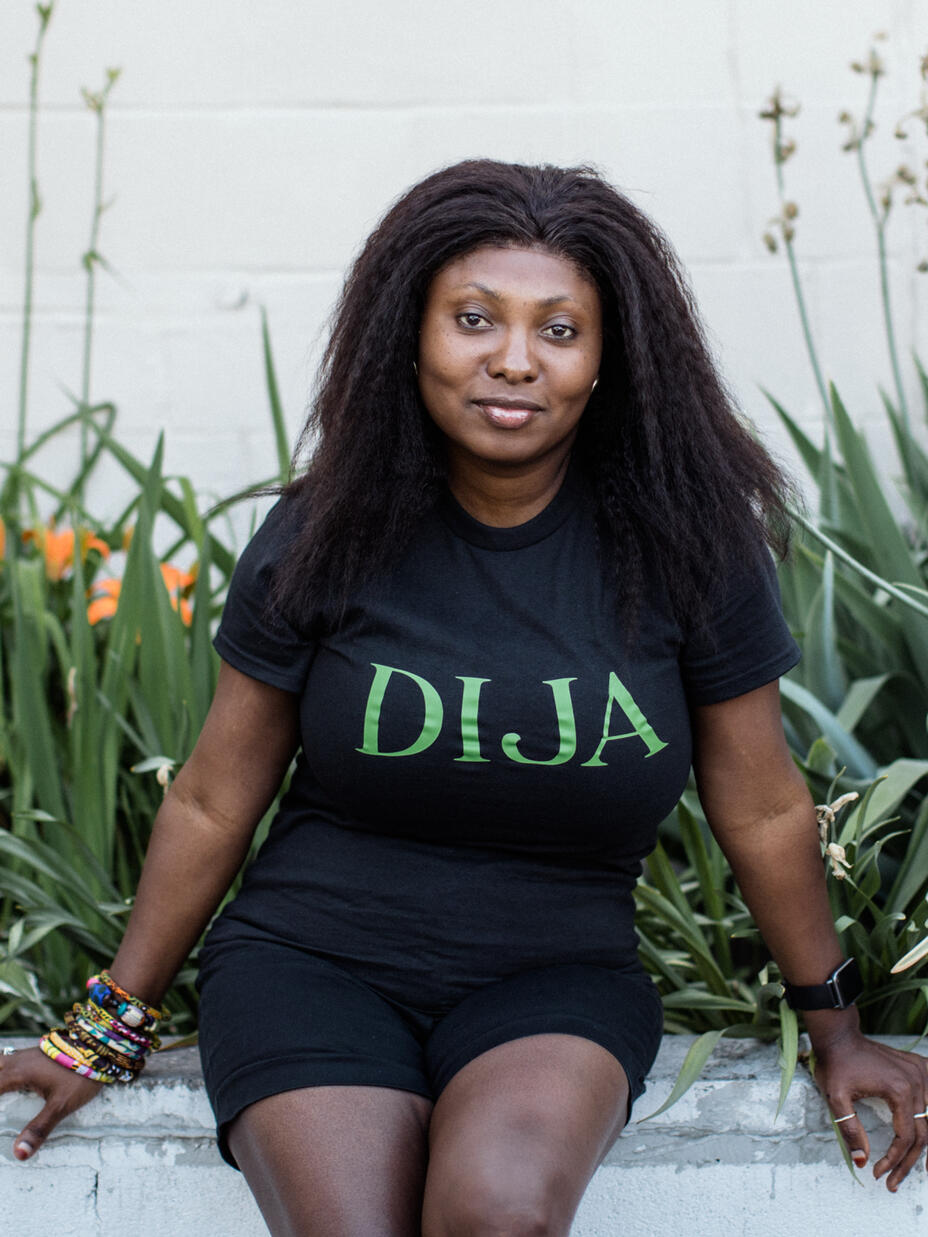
(108, 1037)
(133, 1011)
(69, 1062)
(90, 1065)
(109, 1021)
(77, 1032)
(90, 1058)
(110, 1031)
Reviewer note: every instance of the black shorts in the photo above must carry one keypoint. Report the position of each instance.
(275, 1017)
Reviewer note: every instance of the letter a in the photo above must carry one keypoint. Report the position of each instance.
(619, 694)
(431, 723)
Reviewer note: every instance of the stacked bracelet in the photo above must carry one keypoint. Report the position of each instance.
(108, 1037)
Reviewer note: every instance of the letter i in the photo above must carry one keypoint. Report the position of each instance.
(470, 728)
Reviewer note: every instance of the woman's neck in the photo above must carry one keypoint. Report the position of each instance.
(509, 497)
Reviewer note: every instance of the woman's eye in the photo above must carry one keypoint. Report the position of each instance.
(560, 330)
(471, 319)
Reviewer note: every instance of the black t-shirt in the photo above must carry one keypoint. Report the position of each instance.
(485, 755)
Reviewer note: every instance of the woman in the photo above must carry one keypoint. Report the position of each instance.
(522, 586)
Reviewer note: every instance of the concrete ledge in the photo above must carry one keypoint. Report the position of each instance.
(715, 1165)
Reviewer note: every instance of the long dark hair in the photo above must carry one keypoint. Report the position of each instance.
(681, 487)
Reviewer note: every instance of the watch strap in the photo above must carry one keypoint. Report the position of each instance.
(841, 989)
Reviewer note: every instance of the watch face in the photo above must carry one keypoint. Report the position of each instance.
(847, 983)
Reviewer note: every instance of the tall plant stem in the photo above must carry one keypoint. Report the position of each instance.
(794, 275)
(90, 290)
(97, 104)
(879, 223)
(35, 207)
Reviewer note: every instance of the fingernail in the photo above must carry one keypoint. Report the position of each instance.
(26, 1148)
(859, 1158)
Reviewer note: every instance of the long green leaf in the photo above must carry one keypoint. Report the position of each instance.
(170, 504)
(860, 696)
(685, 924)
(850, 751)
(883, 532)
(897, 780)
(789, 1052)
(914, 462)
(693, 1064)
(695, 1061)
(33, 723)
(825, 674)
(836, 500)
(710, 880)
(881, 582)
(691, 999)
(281, 439)
(914, 872)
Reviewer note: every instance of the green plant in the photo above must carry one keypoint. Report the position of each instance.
(104, 679)
(855, 593)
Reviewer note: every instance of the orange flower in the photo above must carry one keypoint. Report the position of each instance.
(89, 541)
(58, 548)
(104, 594)
(180, 584)
(185, 609)
(177, 581)
(104, 599)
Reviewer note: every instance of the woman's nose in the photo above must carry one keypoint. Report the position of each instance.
(514, 360)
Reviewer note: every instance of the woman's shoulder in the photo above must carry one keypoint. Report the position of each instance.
(280, 526)
(254, 636)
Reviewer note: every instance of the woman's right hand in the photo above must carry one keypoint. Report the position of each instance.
(63, 1090)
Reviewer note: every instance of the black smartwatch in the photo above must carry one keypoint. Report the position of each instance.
(841, 989)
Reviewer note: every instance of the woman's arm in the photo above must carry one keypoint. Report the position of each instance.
(199, 840)
(203, 830)
(760, 811)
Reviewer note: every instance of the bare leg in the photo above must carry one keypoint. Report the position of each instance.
(335, 1161)
(518, 1133)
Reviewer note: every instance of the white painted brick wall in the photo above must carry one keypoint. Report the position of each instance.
(251, 147)
(716, 1164)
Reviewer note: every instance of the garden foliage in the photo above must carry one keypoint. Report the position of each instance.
(854, 710)
(106, 672)
(106, 665)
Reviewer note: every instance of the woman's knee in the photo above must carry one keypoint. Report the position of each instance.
(499, 1203)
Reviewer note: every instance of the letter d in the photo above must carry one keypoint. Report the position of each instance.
(431, 723)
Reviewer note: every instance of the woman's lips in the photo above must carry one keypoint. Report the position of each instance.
(507, 416)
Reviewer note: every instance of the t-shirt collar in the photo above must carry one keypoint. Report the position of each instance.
(517, 537)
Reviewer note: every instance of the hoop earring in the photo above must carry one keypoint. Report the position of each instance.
(415, 369)
(594, 386)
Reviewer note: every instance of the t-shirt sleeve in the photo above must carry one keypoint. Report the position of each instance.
(252, 636)
(745, 643)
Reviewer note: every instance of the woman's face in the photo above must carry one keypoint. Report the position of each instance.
(509, 351)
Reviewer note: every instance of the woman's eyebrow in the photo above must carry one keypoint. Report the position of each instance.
(499, 296)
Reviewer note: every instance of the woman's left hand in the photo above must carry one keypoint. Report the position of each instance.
(849, 1067)
(759, 809)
